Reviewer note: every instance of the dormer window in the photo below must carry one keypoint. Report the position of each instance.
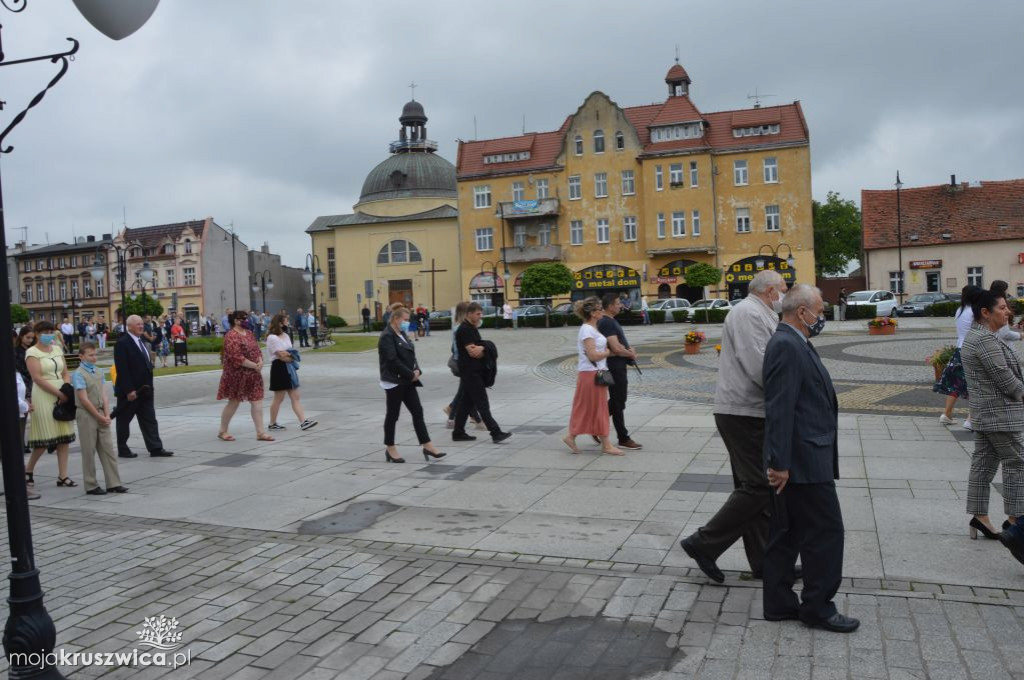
(168, 249)
(682, 131)
(756, 130)
(188, 246)
(598, 141)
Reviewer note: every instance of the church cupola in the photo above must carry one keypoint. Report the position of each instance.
(678, 81)
(412, 136)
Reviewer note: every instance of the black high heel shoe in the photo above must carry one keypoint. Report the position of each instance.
(388, 457)
(977, 525)
(427, 455)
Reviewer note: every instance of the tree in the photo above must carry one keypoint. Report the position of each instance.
(19, 314)
(837, 234)
(700, 275)
(545, 280)
(144, 305)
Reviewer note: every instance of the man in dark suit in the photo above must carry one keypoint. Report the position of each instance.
(801, 454)
(134, 390)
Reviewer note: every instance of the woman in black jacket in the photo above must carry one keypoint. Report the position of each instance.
(400, 376)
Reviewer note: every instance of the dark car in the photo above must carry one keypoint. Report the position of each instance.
(917, 305)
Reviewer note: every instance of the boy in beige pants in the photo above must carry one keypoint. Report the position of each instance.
(94, 423)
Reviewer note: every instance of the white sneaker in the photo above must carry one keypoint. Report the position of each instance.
(943, 420)
(967, 425)
(307, 423)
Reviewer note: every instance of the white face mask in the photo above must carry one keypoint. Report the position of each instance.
(777, 304)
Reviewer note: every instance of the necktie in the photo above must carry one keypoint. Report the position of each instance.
(138, 342)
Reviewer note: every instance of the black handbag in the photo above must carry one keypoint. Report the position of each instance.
(68, 409)
(603, 376)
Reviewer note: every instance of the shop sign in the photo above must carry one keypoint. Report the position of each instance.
(743, 271)
(926, 264)
(674, 272)
(606, 276)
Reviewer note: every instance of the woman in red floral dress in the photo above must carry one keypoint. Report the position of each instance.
(242, 379)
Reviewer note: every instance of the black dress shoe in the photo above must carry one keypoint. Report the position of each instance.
(837, 623)
(96, 492)
(117, 489)
(162, 453)
(462, 437)
(709, 567)
(500, 437)
(128, 455)
(1014, 544)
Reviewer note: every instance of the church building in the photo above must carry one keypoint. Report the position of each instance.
(401, 242)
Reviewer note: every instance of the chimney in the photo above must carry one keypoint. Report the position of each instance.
(106, 237)
(952, 181)
(90, 239)
(265, 248)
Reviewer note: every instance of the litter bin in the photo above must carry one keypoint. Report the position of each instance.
(180, 353)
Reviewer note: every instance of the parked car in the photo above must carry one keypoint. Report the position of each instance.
(564, 308)
(668, 304)
(441, 314)
(531, 310)
(917, 305)
(712, 304)
(883, 300)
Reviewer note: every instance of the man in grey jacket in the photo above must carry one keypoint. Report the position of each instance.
(739, 417)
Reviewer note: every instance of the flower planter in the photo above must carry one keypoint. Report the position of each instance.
(938, 372)
(692, 347)
(881, 330)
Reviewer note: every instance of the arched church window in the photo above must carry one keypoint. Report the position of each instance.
(399, 251)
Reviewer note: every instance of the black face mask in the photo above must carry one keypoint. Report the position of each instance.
(815, 328)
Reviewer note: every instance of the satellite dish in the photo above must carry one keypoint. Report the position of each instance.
(116, 19)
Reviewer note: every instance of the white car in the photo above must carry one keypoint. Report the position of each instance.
(669, 305)
(712, 304)
(884, 301)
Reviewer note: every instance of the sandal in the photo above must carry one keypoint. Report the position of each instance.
(225, 437)
(65, 481)
(264, 438)
(29, 479)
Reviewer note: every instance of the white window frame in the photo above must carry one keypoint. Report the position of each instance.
(675, 175)
(659, 178)
(188, 276)
(28, 293)
(742, 220)
(600, 185)
(542, 189)
(771, 170)
(518, 191)
(169, 275)
(695, 223)
(544, 235)
(519, 235)
(482, 196)
(740, 174)
(772, 218)
(628, 183)
(975, 276)
(693, 174)
(604, 232)
(484, 239)
(575, 187)
(678, 223)
(598, 141)
(620, 141)
(578, 141)
(576, 232)
(188, 247)
(661, 225)
(896, 282)
(629, 228)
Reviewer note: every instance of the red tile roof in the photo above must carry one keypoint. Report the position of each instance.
(158, 234)
(993, 211)
(677, 72)
(675, 110)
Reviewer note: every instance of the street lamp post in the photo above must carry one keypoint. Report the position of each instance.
(313, 275)
(494, 278)
(264, 284)
(99, 271)
(29, 635)
(899, 238)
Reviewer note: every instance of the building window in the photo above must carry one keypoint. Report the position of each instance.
(601, 184)
(975, 276)
(675, 174)
(771, 170)
(399, 251)
(542, 189)
(39, 265)
(628, 228)
(693, 174)
(99, 288)
(63, 290)
(679, 223)
(28, 265)
(659, 178)
(603, 232)
(482, 196)
(28, 293)
(188, 274)
(188, 246)
(544, 235)
(661, 225)
(62, 262)
(620, 141)
(332, 279)
(743, 220)
(74, 260)
(74, 289)
(628, 183)
(576, 232)
(579, 145)
(518, 192)
(771, 218)
(88, 288)
(485, 238)
(39, 292)
(575, 193)
(168, 249)
(695, 224)
(170, 278)
(896, 282)
(739, 173)
(519, 237)
(598, 141)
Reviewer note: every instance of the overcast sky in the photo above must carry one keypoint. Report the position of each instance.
(267, 114)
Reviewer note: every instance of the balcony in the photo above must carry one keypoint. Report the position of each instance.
(532, 254)
(517, 210)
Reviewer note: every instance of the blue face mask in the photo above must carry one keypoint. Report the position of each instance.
(47, 338)
(405, 326)
(86, 364)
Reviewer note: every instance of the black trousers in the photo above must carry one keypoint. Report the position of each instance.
(474, 397)
(806, 521)
(454, 405)
(144, 410)
(396, 396)
(745, 513)
(303, 337)
(366, 324)
(617, 398)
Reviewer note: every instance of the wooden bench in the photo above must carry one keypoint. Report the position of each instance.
(323, 334)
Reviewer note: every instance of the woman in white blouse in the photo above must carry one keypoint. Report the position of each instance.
(278, 346)
(590, 403)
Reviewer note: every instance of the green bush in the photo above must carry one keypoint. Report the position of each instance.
(942, 309)
(656, 315)
(205, 344)
(573, 320)
(861, 312)
(488, 322)
(376, 326)
(680, 315)
(335, 321)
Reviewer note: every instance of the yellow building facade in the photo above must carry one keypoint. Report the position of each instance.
(401, 243)
(628, 198)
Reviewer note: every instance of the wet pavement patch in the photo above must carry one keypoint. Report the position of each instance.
(232, 460)
(584, 648)
(695, 482)
(452, 473)
(356, 517)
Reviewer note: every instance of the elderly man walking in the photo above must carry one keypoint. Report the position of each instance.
(801, 454)
(134, 391)
(739, 417)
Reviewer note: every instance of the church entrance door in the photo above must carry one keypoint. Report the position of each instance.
(400, 290)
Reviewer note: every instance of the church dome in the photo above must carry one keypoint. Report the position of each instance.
(413, 113)
(410, 175)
